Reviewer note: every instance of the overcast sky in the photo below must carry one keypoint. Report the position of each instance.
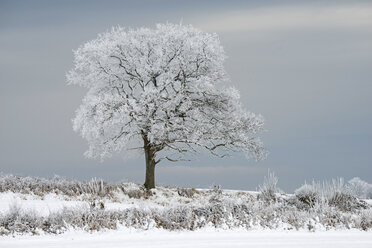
(306, 66)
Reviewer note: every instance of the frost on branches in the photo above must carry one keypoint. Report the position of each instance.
(162, 91)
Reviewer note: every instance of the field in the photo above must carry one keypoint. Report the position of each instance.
(36, 212)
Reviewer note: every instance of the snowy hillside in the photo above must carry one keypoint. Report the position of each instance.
(37, 206)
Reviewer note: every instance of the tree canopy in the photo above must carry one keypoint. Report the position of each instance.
(162, 90)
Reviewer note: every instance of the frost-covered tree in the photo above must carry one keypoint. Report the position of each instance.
(360, 188)
(163, 91)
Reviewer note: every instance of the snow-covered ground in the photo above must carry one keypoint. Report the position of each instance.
(196, 239)
(162, 197)
(130, 237)
(133, 217)
(50, 203)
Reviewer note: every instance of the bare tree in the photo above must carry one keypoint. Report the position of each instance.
(162, 91)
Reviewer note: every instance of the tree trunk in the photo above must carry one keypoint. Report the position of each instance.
(150, 165)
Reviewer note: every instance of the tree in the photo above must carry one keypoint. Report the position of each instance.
(162, 91)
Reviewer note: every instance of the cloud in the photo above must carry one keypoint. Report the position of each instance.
(289, 17)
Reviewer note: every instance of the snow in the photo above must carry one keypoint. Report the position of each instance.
(292, 227)
(196, 239)
(50, 203)
(162, 197)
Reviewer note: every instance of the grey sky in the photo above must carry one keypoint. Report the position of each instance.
(305, 66)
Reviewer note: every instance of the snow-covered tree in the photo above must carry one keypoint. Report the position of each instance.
(360, 188)
(162, 88)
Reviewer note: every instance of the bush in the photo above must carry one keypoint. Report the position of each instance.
(189, 193)
(269, 188)
(224, 214)
(58, 185)
(334, 193)
(18, 221)
(95, 188)
(365, 221)
(138, 193)
(307, 194)
(312, 206)
(346, 202)
(339, 195)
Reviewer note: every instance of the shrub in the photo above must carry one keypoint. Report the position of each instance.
(269, 188)
(307, 194)
(58, 185)
(346, 202)
(339, 195)
(334, 193)
(312, 206)
(365, 221)
(189, 193)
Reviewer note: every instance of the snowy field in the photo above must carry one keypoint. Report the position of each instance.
(59, 213)
(130, 237)
(196, 239)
